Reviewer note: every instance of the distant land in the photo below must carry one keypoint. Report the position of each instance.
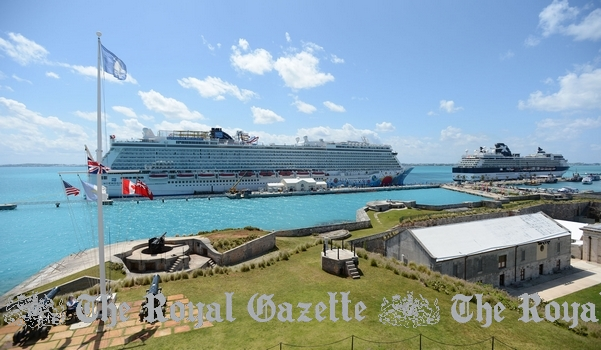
(410, 164)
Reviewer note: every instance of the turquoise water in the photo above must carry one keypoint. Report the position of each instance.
(38, 233)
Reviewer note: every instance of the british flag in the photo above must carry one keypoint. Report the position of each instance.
(94, 167)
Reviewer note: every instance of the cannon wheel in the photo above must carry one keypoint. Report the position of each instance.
(44, 332)
(18, 336)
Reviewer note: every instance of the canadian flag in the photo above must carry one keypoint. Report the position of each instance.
(138, 187)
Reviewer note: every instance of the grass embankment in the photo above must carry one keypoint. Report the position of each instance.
(300, 279)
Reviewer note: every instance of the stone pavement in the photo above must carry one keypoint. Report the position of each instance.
(83, 336)
(582, 275)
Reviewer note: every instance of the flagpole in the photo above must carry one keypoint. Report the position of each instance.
(103, 296)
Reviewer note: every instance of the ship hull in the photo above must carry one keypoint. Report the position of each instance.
(505, 175)
(197, 185)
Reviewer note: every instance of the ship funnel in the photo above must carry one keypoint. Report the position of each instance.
(148, 134)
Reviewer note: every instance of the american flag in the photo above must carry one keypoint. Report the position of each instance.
(93, 167)
(70, 190)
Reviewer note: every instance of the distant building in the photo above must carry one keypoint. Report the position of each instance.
(498, 251)
(575, 229)
(591, 249)
(298, 184)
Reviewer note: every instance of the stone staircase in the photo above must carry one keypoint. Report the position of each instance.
(351, 270)
(211, 263)
(179, 264)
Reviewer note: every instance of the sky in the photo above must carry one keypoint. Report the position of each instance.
(433, 79)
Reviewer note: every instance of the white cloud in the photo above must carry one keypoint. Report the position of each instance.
(531, 40)
(169, 107)
(126, 111)
(52, 75)
(334, 107)
(303, 106)
(311, 47)
(431, 113)
(301, 71)
(216, 88)
(449, 106)
(553, 18)
(565, 129)
(23, 132)
(258, 61)
(288, 37)
(507, 55)
(23, 50)
(384, 127)
(335, 59)
(346, 133)
(92, 116)
(576, 92)
(455, 135)
(21, 80)
(208, 45)
(264, 116)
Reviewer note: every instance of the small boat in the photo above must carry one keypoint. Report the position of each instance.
(302, 173)
(318, 173)
(206, 175)
(158, 176)
(227, 175)
(587, 180)
(575, 178)
(266, 173)
(8, 206)
(247, 173)
(285, 173)
(185, 175)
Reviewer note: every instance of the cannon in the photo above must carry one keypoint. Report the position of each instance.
(154, 290)
(156, 244)
(38, 317)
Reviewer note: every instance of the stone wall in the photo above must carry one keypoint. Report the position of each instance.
(362, 222)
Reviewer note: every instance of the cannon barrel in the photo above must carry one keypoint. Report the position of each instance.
(52, 293)
(156, 244)
(154, 286)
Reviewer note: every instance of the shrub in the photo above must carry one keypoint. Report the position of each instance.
(373, 262)
(252, 265)
(245, 268)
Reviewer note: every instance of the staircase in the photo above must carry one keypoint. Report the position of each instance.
(211, 263)
(179, 264)
(351, 270)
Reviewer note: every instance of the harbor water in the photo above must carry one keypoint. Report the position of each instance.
(39, 233)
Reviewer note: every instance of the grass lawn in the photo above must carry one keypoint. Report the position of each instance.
(591, 294)
(301, 280)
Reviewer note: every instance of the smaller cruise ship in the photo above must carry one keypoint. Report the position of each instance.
(500, 164)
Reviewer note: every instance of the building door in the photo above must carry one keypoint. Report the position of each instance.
(540, 269)
(502, 280)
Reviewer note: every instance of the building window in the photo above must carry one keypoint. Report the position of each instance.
(502, 261)
(479, 264)
(523, 254)
(522, 274)
(558, 247)
(455, 269)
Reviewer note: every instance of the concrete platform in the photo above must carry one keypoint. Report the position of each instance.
(582, 275)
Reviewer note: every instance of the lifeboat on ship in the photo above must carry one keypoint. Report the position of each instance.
(206, 175)
(185, 175)
(318, 173)
(246, 173)
(266, 173)
(226, 175)
(302, 173)
(158, 176)
(285, 173)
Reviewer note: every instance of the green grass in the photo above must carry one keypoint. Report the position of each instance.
(584, 296)
(301, 280)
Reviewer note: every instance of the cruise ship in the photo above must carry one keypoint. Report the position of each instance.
(201, 162)
(501, 164)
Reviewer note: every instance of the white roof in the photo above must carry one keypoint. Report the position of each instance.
(574, 227)
(299, 180)
(457, 240)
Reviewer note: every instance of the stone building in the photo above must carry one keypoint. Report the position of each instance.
(498, 251)
(298, 185)
(591, 240)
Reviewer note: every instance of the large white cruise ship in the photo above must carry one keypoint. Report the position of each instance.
(501, 164)
(197, 162)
